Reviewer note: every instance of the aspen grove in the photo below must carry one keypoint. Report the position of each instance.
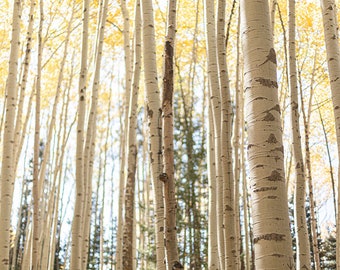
(169, 134)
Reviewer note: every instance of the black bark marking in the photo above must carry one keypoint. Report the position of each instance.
(260, 98)
(250, 146)
(275, 176)
(267, 82)
(271, 139)
(280, 149)
(330, 8)
(228, 208)
(269, 117)
(150, 112)
(271, 57)
(177, 265)
(163, 177)
(276, 108)
(264, 189)
(272, 197)
(270, 237)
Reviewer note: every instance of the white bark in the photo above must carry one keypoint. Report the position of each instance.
(215, 103)
(7, 166)
(77, 223)
(303, 260)
(271, 231)
(153, 110)
(331, 28)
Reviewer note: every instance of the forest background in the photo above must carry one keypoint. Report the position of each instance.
(63, 85)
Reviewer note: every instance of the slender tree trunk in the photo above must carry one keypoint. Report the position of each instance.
(303, 260)
(272, 239)
(19, 127)
(129, 205)
(153, 109)
(7, 176)
(36, 208)
(89, 147)
(213, 263)
(330, 23)
(77, 224)
(123, 165)
(171, 248)
(306, 121)
(229, 211)
(215, 103)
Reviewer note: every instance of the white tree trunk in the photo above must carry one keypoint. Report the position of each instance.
(153, 110)
(215, 104)
(330, 23)
(78, 218)
(303, 260)
(271, 231)
(7, 166)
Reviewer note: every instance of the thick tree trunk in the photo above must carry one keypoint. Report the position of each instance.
(271, 232)
(301, 232)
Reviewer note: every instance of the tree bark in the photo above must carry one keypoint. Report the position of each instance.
(129, 205)
(7, 172)
(303, 260)
(330, 24)
(78, 218)
(170, 203)
(153, 110)
(215, 104)
(229, 211)
(271, 232)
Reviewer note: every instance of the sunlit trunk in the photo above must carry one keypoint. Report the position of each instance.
(271, 231)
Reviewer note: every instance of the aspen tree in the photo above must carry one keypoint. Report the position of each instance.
(123, 140)
(77, 223)
(212, 224)
(36, 208)
(106, 147)
(237, 137)
(215, 103)
(302, 238)
(271, 232)
(330, 24)
(89, 146)
(22, 86)
(153, 110)
(7, 166)
(306, 121)
(129, 205)
(229, 217)
(171, 248)
(50, 256)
